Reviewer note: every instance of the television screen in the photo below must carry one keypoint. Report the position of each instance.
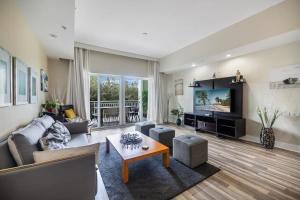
(213, 100)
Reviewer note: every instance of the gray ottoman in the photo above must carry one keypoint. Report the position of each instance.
(163, 135)
(190, 150)
(144, 127)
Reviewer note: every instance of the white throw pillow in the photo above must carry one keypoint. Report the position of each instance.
(45, 120)
(33, 131)
(50, 155)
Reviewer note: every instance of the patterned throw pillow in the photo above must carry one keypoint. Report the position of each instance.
(56, 137)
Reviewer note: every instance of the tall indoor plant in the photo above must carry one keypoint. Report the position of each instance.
(178, 112)
(267, 137)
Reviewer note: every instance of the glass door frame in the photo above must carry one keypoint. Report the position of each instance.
(122, 112)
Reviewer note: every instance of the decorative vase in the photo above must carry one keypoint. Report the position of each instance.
(178, 121)
(267, 138)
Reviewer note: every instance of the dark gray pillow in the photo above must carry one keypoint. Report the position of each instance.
(21, 149)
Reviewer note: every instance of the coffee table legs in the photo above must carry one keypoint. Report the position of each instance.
(125, 171)
(166, 159)
(107, 145)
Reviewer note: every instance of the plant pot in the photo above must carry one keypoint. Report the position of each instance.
(178, 122)
(267, 138)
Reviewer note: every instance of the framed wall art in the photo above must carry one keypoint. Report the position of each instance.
(44, 81)
(5, 78)
(21, 95)
(33, 90)
(178, 87)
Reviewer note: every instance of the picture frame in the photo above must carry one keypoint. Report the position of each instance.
(178, 87)
(5, 78)
(33, 89)
(44, 81)
(21, 95)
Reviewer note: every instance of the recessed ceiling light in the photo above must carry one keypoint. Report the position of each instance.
(64, 27)
(194, 65)
(53, 35)
(228, 55)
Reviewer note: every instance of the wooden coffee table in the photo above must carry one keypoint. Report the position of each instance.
(129, 155)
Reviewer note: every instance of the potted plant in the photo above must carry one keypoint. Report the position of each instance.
(267, 137)
(178, 112)
(49, 106)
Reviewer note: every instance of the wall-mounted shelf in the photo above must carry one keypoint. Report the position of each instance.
(281, 85)
(194, 86)
(237, 83)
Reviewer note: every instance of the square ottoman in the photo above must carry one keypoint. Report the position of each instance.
(163, 135)
(191, 150)
(144, 127)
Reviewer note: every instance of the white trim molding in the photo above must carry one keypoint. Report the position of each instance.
(278, 144)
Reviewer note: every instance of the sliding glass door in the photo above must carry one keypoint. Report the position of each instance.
(118, 100)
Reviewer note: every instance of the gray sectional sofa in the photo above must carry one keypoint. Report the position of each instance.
(61, 179)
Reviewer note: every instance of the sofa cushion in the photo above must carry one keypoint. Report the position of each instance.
(77, 140)
(21, 149)
(33, 131)
(6, 158)
(45, 120)
(45, 156)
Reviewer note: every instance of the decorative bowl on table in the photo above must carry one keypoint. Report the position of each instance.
(132, 140)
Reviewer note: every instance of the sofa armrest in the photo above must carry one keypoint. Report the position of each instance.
(73, 178)
(77, 127)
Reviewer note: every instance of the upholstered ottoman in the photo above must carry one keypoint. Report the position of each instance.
(144, 127)
(190, 150)
(163, 135)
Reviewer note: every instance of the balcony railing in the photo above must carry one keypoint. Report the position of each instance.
(108, 112)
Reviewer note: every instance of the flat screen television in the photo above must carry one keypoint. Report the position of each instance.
(217, 100)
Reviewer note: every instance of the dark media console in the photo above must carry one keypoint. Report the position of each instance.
(229, 124)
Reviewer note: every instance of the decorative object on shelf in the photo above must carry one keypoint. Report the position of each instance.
(238, 78)
(267, 137)
(5, 78)
(178, 87)
(178, 112)
(20, 82)
(132, 140)
(44, 81)
(33, 91)
(290, 80)
(214, 76)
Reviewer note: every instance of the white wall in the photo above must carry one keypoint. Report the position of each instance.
(58, 71)
(105, 63)
(256, 68)
(279, 19)
(17, 38)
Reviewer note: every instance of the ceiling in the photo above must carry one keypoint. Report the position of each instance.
(47, 17)
(170, 24)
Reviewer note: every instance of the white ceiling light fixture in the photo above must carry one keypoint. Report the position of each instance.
(53, 35)
(194, 65)
(228, 55)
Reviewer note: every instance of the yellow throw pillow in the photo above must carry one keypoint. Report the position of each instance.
(70, 113)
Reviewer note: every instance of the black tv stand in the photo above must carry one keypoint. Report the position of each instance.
(221, 126)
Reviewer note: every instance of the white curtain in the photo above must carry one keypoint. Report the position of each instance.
(157, 100)
(78, 92)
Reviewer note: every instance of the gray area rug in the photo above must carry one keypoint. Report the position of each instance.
(148, 179)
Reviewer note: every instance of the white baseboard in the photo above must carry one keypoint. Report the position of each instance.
(281, 145)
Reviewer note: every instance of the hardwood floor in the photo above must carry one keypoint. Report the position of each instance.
(247, 170)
